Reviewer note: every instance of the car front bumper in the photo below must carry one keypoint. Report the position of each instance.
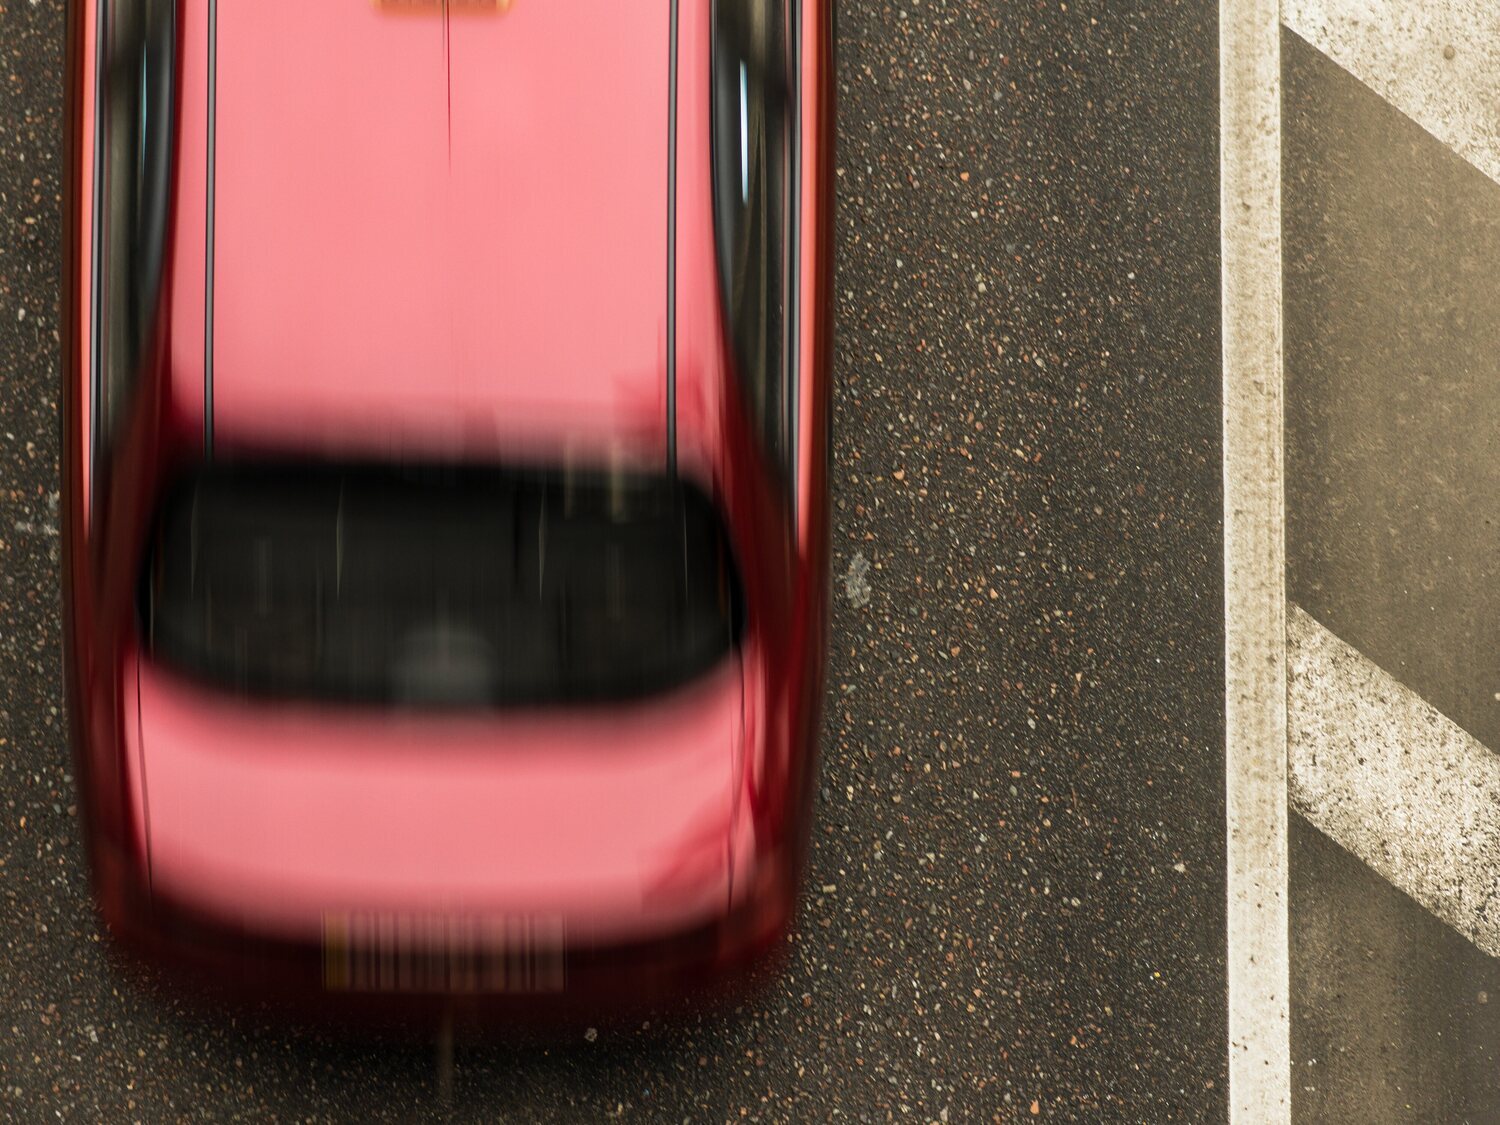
(384, 973)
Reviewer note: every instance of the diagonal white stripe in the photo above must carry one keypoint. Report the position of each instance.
(1390, 779)
(1437, 61)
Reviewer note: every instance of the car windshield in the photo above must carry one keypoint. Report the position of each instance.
(439, 586)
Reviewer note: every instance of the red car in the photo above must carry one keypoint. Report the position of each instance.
(445, 468)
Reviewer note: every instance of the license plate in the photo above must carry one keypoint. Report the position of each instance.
(385, 952)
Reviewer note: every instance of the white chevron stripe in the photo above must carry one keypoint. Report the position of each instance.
(1390, 779)
(1437, 61)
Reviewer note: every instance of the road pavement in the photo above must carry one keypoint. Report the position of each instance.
(1015, 901)
(1392, 242)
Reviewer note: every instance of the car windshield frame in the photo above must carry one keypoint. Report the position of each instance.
(454, 587)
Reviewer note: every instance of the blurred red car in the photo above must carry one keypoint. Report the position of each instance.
(445, 468)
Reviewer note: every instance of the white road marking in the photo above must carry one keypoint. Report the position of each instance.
(1437, 61)
(1373, 765)
(1254, 561)
(1389, 778)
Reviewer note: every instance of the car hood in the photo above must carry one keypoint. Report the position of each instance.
(617, 820)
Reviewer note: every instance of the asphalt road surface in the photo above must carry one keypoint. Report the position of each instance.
(1392, 246)
(1015, 903)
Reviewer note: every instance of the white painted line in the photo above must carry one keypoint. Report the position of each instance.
(1254, 561)
(1437, 61)
(1387, 777)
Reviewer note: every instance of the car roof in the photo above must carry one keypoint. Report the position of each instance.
(451, 222)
